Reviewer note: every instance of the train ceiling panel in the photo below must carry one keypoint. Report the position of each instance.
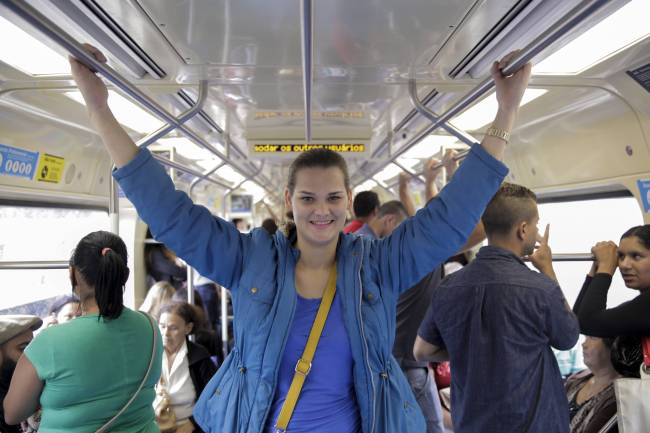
(364, 52)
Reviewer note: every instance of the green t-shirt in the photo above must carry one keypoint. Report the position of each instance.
(91, 368)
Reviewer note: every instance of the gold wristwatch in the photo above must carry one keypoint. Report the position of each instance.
(498, 133)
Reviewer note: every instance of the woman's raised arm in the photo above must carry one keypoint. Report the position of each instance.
(439, 230)
(209, 244)
(118, 143)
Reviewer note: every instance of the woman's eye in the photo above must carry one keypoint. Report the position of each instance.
(307, 199)
(335, 198)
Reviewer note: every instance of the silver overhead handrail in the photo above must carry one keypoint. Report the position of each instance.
(307, 32)
(410, 172)
(433, 117)
(184, 117)
(42, 264)
(461, 155)
(181, 167)
(57, 35)
(574, 17)
(205, 175)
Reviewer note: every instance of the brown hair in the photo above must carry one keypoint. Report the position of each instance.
(185, 311)
(314, 158)
(510, 205)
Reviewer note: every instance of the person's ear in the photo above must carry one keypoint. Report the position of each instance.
(287, 200)
(349, 206)
(188, 328)
(522, 230)
(73, 277)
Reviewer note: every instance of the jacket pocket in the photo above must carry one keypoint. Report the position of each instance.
(223, 407)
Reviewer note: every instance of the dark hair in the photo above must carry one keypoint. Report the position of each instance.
(608, 342)
(365, 203)
(393, 207)
(185, 311)
(627, 356)
(236, 221)
(61, 302)
(270, 226)
(180, 295)
(510, 205)
(314, 158)
(641, 232)
(101, 259)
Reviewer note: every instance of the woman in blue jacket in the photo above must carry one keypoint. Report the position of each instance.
(354, 384)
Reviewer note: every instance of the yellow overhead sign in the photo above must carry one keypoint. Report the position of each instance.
(314, 115)
(289, 148)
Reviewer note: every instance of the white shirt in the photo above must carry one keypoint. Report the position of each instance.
(179, 385)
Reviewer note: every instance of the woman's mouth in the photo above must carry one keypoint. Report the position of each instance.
(628, 278)
(321, 224)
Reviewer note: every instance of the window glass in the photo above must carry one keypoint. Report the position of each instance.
(35, 234)
(576, 227)
(31, 291)
(39, 233)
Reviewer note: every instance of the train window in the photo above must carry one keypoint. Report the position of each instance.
(40, 234)
(576, 226)
(32, 291)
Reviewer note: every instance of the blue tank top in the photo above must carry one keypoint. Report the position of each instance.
(327, 403)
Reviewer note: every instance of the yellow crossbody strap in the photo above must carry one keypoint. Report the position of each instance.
(303, 366)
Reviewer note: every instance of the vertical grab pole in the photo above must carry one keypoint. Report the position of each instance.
(307, 32)
(113, 204)
(224, 320)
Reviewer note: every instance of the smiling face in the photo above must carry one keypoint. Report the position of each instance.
(319, 203)
(634, 263)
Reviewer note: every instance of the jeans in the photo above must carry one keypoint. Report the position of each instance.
(426, 394)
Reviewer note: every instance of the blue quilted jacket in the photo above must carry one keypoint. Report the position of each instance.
(259, 271)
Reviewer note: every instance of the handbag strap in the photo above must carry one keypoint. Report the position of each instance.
(303, 366)
(154, 346)
(645, 343)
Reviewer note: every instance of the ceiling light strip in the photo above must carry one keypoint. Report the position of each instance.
(125, 39)
(489, 37)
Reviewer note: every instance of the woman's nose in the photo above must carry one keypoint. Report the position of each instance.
(624, 262)
(322, 208)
